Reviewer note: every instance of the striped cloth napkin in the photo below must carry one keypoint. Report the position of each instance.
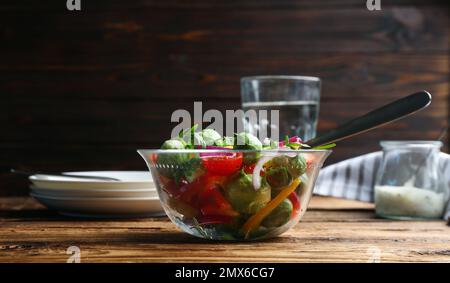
(354, 178)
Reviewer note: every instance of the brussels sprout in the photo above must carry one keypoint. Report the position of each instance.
(169, 165)
(278, 177)
(297, 166)
(178, 165)
(173, 144)
(194, 139)
(269, 144)
(280, 161)
(191, 169)
(248, 141)
(279, 216)
(210, 136)
(225, 142)
(243, 197)
(258, 233)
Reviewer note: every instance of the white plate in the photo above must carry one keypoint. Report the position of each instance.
(86, 192)
(103, 207)
(128, 180)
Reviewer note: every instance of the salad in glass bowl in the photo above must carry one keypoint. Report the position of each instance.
(234, 188)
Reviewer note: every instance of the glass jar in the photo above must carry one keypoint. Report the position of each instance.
(407, 185)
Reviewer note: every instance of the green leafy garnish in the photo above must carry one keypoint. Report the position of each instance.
(192, 169)
(294, 145)
(184, 132)
(188, 170)
(325, 146)
(190, 137)
(299, 145)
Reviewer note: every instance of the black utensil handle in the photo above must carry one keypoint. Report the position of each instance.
(378, 117)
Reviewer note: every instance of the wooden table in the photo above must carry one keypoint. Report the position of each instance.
(332, 230)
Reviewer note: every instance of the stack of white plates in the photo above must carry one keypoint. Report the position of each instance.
(134, 195)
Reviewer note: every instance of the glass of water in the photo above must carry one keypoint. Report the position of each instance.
(296, 98)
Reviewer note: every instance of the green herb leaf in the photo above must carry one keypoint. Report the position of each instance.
(325, 146)
(295, 145)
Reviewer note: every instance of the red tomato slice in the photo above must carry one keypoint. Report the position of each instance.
(194, 193)
(212, 202)
(203, 194)
(223, 164)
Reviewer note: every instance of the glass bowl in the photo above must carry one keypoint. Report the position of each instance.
(234, 194)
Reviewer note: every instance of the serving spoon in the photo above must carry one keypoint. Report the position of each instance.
(381, 116)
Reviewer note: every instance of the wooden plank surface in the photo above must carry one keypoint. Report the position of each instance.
(332, 230)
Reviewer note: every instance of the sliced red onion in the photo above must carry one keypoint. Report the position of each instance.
(256, 178)
(296, 139)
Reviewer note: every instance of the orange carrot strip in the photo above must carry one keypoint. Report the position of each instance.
(255, 220)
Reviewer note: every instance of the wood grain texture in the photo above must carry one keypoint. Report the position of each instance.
(82, 91)
(332, 230)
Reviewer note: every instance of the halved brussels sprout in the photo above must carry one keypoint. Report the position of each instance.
(210, 136)
(173, 144)
(297, 165)
(193, 140)
(169, 164)
(179, 165)
(279, 216)
(243, 197)
(248, 141)
(278, 177)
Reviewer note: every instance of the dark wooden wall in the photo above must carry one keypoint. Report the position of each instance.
(83, 90)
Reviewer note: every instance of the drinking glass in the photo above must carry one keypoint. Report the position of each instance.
(295, 97)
